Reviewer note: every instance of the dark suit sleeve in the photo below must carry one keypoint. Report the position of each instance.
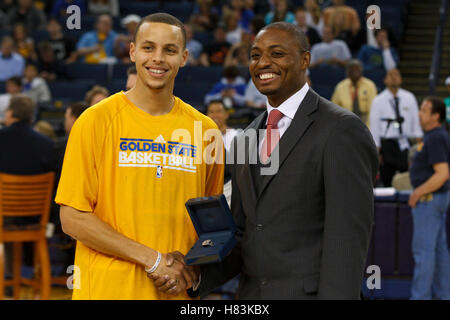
(350, 165)
(217, 274)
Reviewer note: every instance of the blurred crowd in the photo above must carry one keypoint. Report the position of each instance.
(219, 33)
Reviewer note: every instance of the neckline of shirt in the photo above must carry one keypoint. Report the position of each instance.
(290, 106)
(147, 115)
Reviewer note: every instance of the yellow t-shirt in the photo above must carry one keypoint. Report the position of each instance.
(135, 173)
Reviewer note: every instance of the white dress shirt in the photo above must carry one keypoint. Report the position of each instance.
(383, 108)
(289, 107)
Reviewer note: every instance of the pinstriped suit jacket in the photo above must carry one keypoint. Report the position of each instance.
(305, 234)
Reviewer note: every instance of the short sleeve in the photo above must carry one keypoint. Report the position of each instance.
(215, 170)
(78, 186)
(437, 150)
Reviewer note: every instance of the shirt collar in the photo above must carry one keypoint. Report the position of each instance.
(289, 106)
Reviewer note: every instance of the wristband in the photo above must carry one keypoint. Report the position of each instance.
(152, 269)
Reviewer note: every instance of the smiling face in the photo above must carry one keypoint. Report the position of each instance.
(278, 65)
(158, 52)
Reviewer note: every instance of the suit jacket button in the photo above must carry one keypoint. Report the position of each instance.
(259, 227)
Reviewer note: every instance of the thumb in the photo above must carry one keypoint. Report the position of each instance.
(169, 260)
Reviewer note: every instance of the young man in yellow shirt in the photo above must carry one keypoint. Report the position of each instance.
(129, 168)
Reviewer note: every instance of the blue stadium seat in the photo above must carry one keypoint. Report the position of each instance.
(324, 78)
(96, 72)
(181, 10)
(204, 37)
(325, 91)
(39, 35)
(70, 90)
(140, 8)
(209, 75)
(116, 85)
(376, 76)
(120, 71)
(192, 92)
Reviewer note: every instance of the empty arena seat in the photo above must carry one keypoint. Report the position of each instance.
(377, 76)
(120, 71)
(192, 92)
(39, 35)
(325, 78)
(70, 90)
(116, 85)
(181, 10)
(201, 74)
(96, 72)
(204, 37)
(140, 8)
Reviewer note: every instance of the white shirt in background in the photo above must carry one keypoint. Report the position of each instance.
(383, 108)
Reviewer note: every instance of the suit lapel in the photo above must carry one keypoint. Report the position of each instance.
(245, 170)
(299, 125)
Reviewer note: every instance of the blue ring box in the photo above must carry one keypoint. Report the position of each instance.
(212, 219)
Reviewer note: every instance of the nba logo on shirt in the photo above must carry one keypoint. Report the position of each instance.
(159, 172)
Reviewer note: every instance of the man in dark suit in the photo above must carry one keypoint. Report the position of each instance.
(304, 231)
(25, 152)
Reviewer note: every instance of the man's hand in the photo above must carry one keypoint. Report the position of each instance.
(414, 198)
(173, 283)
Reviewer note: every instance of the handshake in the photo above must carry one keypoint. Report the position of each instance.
(172, 276)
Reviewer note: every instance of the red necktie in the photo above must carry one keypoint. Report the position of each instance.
(272, 137)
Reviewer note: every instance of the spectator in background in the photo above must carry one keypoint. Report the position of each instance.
(238, 56)
(24, 152)
(394, 118)
(24, 44)
(13, 86)
(98, 7)
(447, 100)
(381, 57)
(311, 33)
(205, 17)
(356, 92)
(429, 201)
(50, 68)
(131, 77)
(34, 86)
(230, 89)
(6, 5)
(59, 8)
(45, 128)
(3, 22)
(343, 19)
(314, 17)
(280, 13)
(329, 51)
(244, 10)
(217, 111)
(97, 46)
(122, 42)
(254, 98)
(256, 25)
(25, 12)
(95, 95)
(11, 63)
(63, 47)
(233, 30)
(215, 52)
(72, 113)
(194, 47)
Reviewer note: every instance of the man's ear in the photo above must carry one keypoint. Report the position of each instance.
(132, 51)
(185, 57)
(306, 59)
